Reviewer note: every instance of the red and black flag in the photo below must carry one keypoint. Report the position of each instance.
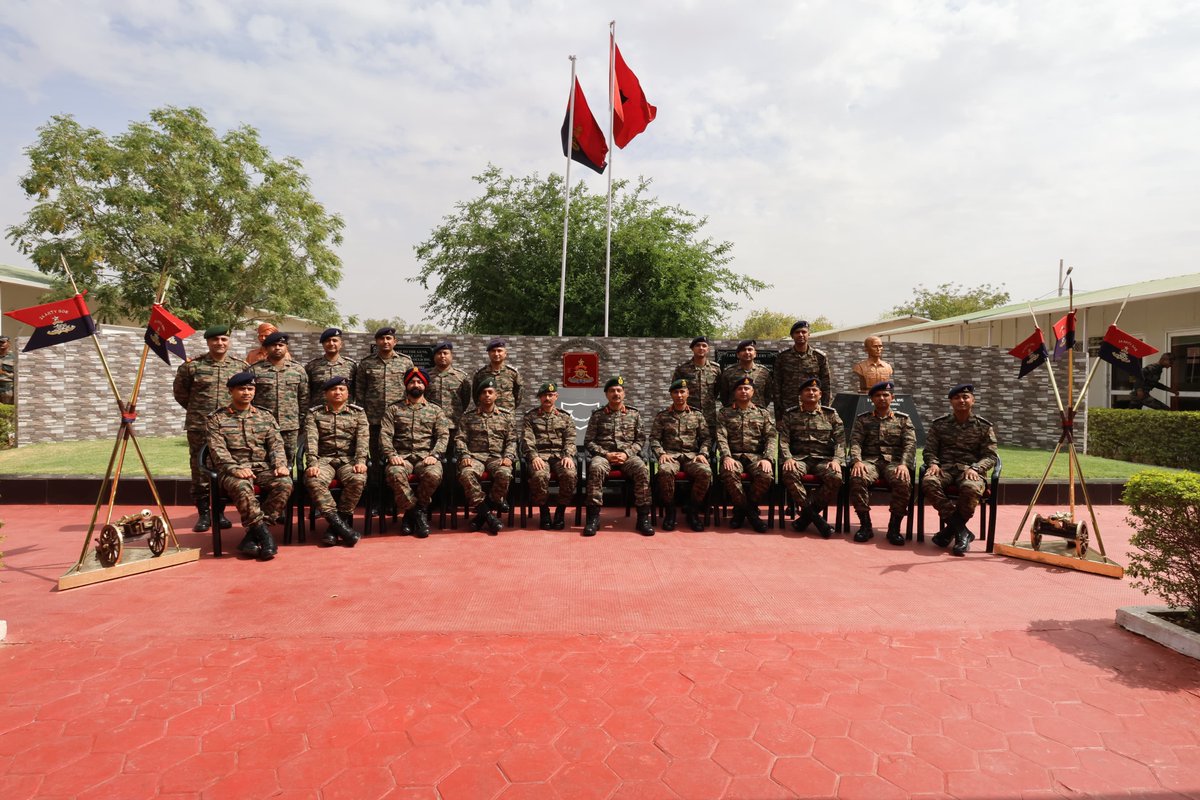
(1123, 351)
(587, 144)
(1032, 352)
(57, 322)
(632, 112)
(1064, 335)
(165, 333)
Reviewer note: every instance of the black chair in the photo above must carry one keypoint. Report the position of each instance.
(721, 502)
(218, 499)
(301, 499)
(485, 481)
(987, 506)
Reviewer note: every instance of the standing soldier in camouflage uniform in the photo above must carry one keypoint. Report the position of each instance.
(615, 439)
(8, 369)
(281, 387)
(330, 365)
(702, 376)
(413, 438)
(960, 449)
(548, 446)
(680, 440)
(759, 375)
(746, 441)
(812, 441)
(380, 381)
(246, 450)
(507, 379)
(449, 386)
(883, 445)
(337, 441)
(200, 388)
(486, 442)
(796, 364)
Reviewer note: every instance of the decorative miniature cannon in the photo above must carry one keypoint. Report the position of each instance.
(1060, 524)
(112, 536)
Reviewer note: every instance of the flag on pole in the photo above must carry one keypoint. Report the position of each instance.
(1064, 335)
(165, 333)
(587, 144)
(57, 322)
(1123, 351)
(632, 112)
(1032, 352)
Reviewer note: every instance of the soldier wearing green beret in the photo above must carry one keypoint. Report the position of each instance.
(746, 442)
(282, 389)
(200, 388)
(548, 446)
(812, 441)
(680, 441)
(486, 442)
(615, 439)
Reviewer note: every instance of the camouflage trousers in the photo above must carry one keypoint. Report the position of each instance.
(634, 469)
(200, 487)
(539, 481)
(470, 472)
(760, 482)
(699, 474)
(429, 478)
(969, 492)
(289, 445)
(860, 494)
(353, 483)
(275, 491)
(823, 495)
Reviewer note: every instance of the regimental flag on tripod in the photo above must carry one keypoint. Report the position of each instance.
(587, 145)
(1123, 351)
(1032, 352)
(1064, 335)
(165, 333)
(632, 112)
(57, 322)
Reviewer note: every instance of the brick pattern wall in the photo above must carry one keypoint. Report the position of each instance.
(63, 394)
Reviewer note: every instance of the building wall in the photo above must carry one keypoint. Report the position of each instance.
(64, 396)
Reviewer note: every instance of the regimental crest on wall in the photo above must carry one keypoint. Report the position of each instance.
(581, 370)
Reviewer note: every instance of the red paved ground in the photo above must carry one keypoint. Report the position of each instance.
(541, 664)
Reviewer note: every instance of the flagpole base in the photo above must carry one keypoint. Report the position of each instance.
(1059, 553)
(134, 561)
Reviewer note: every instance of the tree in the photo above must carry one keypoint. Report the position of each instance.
(494, 264)
(370, 324)
(764, 325)
(235, 229)
(951, 300)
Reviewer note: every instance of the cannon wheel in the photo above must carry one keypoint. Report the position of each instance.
(1081, 541)
(157, 540)
(1035, 539)
(108, 546)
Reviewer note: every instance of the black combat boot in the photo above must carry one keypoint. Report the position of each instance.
(592, 524)
(693, 517)
(962, 537)
(222, 520)
(333, 525)
(560, 518)
(643, 525)
(755, 519)
(249, 546)
(865, 532)
(420, 522)
(737, 517)
(346, 533)
(545, 521)
(818, 521)
(491, 519)
(203, 517)
(347, 517)
(669, 517)
(266, 543)
(894, 536)
(478, 519)
(802, 520)
(945, 534)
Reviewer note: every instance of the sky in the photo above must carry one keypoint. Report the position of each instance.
(849, 150)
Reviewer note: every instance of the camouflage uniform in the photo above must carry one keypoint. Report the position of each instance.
(747, 436)
(757, 373)
(484, 440)
(450, 389)
(681, 436)
(621, 431)
(508, 385)
(956, 447)
(702, 383)
(379, 382)
(200, 388)
(882, 445)
(321, 369)
(790, 369)
(336, 441)
(282, 389)
(413, 431)
(249, 440)
(812, 439)
(552, 437)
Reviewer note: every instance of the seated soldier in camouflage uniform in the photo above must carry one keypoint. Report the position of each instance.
(486, 442)
(615, 439)
(281, 387)
(746, 442)
(548, 446)
(336, 437)
(680, 440)
(246, 449)
(883, 445)
(330, 365)
(812, 441)
(960, 448)
(413, 436)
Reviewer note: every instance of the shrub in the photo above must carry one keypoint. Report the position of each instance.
(1164, 510)
(1161, 438)
(7, 425)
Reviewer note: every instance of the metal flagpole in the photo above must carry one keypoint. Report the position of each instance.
(562, 282)
(612, 66)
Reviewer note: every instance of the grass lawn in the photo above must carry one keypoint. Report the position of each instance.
(169, 457)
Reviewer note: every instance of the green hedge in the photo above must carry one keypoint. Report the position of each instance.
(1164, 510)
(1161, 438)
(8, 424)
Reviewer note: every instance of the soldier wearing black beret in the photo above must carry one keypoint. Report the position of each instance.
(337, 442)
(960, 449)
(703, 377)
(883, 446)
(330, 364)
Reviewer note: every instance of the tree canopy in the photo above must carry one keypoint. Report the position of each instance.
(951, 300)
(494, 264)
(235, 229)
(763, 324)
